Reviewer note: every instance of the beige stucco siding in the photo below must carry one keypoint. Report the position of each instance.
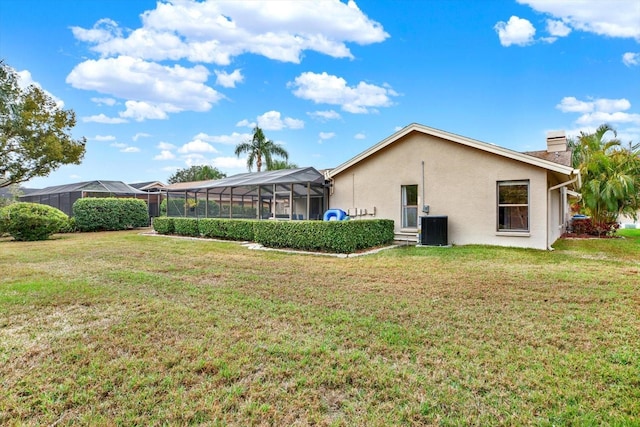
(459, 182)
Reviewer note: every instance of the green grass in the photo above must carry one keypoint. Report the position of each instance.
(124, 329)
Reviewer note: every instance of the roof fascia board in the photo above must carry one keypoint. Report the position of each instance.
(490, 148)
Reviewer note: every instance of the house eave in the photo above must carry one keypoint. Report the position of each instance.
(469, 142)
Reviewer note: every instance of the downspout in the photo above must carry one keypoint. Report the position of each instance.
(423, 201)
(577, 178)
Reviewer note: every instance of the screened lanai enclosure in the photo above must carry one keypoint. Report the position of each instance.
(64, 196)
(288, 194)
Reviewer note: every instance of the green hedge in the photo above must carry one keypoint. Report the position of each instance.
(186, 227)
(233, 229)
(31, 221)
(110, 213)
(164, 225)
(326, 236)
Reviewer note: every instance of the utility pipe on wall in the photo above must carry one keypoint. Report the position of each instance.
(422, 202)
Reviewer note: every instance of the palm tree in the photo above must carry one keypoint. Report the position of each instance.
(610, 175)
(258, 148)
(281, 164)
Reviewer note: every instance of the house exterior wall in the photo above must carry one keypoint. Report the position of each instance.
(459, 182)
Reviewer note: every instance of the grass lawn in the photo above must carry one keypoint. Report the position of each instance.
(124, 329)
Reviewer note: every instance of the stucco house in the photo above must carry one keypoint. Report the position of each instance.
(486, 194)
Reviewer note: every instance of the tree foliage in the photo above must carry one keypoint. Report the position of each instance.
(610, 175)
(196, 173)
(277, 164)
(260, 148)
(35, 134)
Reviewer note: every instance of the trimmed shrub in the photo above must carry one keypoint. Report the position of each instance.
(164, 225)
(325, 236)
(31, 221)
(328, 236)
(186, 227)
(233, 229)
(240, 229)
(110, 213)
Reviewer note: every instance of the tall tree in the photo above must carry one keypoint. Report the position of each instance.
(196, 173)
(610, 175)
(35, 134)
(260, 148)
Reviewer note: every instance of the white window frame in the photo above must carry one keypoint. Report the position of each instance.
(406, 208)
(527, 205)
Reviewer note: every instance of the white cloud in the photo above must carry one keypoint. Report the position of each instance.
(139, 135)
(140, 111)
(272, 120)
(103, 31)
(118, 145)
(328, 89)
(557, 28)
(229, 162)
(611, 18)
(516, 31)
(101, 118)
(234, 139)
(325, 115)
(165, 146)
(573, 105)
(228, 80)
(570, 104)
(104, 138)
(193, 159)
(152, 90)
(631, 58)
(597, 111)
(598, 117)
(110, 102)
(197, 146)
(130, 150)
(246, 123)
(215, 32)
(326, 135)
(359, 135)
(165, 155)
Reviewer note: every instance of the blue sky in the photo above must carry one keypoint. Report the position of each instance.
(159, 86)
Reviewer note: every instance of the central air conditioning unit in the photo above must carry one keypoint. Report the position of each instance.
(434, 231)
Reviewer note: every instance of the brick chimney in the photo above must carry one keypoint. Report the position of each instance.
(556, 141)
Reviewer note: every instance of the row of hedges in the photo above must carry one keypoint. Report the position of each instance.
(26, 221)
(326, 236)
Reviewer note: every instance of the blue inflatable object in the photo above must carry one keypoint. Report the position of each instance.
(335, 215)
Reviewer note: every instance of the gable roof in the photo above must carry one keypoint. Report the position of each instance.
(149, 185)
(483, 146)
(115, 187)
